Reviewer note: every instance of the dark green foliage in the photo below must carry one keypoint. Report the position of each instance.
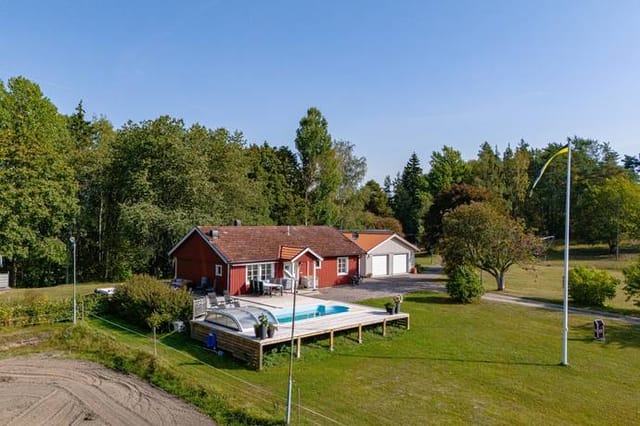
(632, 282)
(38, 190)
(478, 234)
(137, 299)
(590, 286)
(632, 163)
(464, 285)
(320, 169)
(447, 168)
(447, 201)
(411, 198)
(609, 211)
(488, 170)
(277, 170)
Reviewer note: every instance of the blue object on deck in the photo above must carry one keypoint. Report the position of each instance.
(211, 341)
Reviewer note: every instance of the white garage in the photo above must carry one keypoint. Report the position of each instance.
(400, 264)
(387, 252)
(379, 265)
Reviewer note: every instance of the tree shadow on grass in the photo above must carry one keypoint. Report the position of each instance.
(457, 360)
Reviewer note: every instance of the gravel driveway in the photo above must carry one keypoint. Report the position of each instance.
(372, 288)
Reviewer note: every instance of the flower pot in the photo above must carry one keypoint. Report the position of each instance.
(263, 332)
(256, 330)
(390, 309)
(270, 332)
(396, 309)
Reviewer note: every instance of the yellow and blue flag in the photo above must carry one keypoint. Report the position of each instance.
(563, 150)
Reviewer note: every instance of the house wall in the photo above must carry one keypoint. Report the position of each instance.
(196, 259)
(238, 280)
(389, 248)
(328, 274)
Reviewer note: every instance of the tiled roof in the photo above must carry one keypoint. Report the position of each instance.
(265, 243)
(288, 253)
(367, 241)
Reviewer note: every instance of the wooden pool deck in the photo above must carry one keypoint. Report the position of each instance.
(245, 346)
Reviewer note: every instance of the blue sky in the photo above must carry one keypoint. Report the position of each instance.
(392, 77)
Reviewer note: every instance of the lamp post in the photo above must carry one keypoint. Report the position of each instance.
(73, 245)
(293, 324)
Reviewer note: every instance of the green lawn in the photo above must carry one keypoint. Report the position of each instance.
(544, 279)
(489, 363)
(56, 292)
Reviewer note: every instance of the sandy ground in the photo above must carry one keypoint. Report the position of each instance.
(45, 390)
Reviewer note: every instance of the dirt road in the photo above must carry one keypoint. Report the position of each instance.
(46, 390)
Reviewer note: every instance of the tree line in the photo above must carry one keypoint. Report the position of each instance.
(127, 195)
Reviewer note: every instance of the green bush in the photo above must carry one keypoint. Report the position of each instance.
(464, 284)
(137, 299)
(34, 309)
(590, 286)
(632, 282)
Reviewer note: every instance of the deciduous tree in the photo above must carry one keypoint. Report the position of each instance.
(478, 234)
(37, 185)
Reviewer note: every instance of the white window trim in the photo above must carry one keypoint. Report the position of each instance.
(260, 266)
(318, 264)
(218, 271)
(347, 265)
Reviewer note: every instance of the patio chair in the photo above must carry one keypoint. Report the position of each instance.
(260, 288)
(228, 300)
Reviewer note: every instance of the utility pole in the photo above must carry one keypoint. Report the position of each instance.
(73, 245)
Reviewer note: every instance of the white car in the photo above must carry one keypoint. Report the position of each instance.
(106, 290)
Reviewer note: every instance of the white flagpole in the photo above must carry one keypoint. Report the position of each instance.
(565, 329)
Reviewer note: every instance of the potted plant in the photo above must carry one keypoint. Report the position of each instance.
(271, 329)
(263, 322)
(389, 307)
(397, 300)
(256, 329)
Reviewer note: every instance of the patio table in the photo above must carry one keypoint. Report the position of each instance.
(269, 287)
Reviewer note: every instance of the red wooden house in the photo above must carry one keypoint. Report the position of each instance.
(231, 256)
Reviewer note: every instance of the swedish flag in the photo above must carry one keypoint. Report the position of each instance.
(563, 150)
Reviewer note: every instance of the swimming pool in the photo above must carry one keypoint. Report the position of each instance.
(308, 312)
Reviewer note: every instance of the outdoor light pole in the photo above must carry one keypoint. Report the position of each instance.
(73, 244)
(293, 324)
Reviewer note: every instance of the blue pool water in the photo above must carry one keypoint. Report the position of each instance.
(308, 312)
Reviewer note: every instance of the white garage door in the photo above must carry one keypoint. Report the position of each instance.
(379, 265)
(399, 264)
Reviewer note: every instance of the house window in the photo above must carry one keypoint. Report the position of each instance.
(218, 270)
(318, 263)
(259, 271)
(343, 265)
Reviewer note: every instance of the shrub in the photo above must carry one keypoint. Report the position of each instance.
(632, 282)
(34, 309)
(137, 299)
(590, 286)
(464, 284)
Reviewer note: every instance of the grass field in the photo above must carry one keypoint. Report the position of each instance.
(61, 291)
(544, 279)
(487, 363)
